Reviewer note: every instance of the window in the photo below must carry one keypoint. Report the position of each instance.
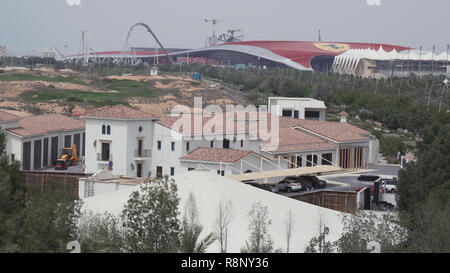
(159, 145)
(287, 113)
(223, 173)
(296, 114)
(139, 148)
(140, 129)
(159, 171)
(105, 152)
(187, 146)
(103, 130)
(212, 144)
(45, 159)
(108, 130)
(299, 161)
(226, 144)
(173, 146)
(311, 161)
(191, 169)
(68, 141)
(13, 157)
(242, 143)
(139, 170)
(312, 115)
(327, 159)
(172, 171)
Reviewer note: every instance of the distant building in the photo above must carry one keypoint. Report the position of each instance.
(298, 108)
(37, 141)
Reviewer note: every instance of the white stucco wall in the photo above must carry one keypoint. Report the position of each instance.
(297, 104)
(123, 144)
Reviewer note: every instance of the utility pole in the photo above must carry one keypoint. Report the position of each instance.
(432, 60)
(442, 95)
(420, 61)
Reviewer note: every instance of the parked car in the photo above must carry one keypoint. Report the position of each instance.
(270, 187)
(289, 185)
(299, 180)
(368, 177)
(322, 184)
(314, 182)
(389, 184)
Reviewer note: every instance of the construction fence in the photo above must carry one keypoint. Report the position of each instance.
(335, 200)
(39, 181)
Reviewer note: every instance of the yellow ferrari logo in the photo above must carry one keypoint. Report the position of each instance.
(333, 47)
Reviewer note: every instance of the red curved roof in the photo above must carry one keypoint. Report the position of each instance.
(303, 52)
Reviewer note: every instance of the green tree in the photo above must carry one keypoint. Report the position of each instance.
(49, 220)
(100, 233)
(320, 244)
(150, 218)
(424, 193)
(191, 230)
(12, 198)
(259, 240)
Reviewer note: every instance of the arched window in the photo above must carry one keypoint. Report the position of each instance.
(109, 130)
(103, 130)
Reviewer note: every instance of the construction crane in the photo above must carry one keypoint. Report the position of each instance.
(212, 41)
(214, 23)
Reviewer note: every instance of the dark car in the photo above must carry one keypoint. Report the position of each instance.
(314, 183)
(322, 184)
(368, 177)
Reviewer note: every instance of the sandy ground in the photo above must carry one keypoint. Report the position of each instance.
(175, 89)
(12, 89)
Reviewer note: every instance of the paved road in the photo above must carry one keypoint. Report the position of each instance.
(236, 95)
(350, 182)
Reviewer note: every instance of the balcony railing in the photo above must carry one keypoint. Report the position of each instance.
(101, 157)
(143, 153)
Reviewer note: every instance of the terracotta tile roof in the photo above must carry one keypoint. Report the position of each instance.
(336, 131)
(216, 155)
(292, 140)
(39, 125)
(118, 112)
(339, 132)
(5, 116)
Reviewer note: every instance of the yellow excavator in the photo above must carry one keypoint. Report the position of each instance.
(68, 158)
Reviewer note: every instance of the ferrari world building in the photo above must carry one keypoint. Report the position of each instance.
(361, 59)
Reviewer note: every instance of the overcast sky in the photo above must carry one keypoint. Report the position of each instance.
(28, 26)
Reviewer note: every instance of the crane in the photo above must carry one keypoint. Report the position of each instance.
(212, 41)
(214, 23)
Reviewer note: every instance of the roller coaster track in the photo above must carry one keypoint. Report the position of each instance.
(127, 49)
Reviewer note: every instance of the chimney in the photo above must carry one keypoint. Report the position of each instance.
(344, 116)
